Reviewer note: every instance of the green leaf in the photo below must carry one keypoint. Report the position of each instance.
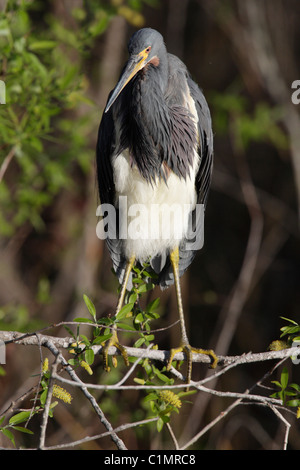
(72, 362)
(102, 338)
(289, 393)
(185, 394)
(85, 340)
(9, 434)
(89, 356)
(159, 424)
(151, 396)
(125, 326)
(106, 321)
(162, 376)
(132, 298)
(125, 310)
(137, 280)
(293, 403)
(21, 429)
(143, 288)
(289, 330)
(139, 381)
(275, 382)
(296, 387)
(19, 417)
(289, 320)
(152, 306)
(90, 306)
(43, 396)
(69, 331)
(153, 315)
(139, 342)
(83, 320)
(139, 318)
(284, 378)
(149, 337)
(40, 45)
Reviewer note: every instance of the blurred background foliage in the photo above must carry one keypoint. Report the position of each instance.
(58, 60)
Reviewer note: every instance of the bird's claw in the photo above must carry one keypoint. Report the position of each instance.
(113, 341)
(188, 350)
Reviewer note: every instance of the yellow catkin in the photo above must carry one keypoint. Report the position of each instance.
(278, 345)
(61, 393)
(86, 367)
(45, 365)
(298, 412)
(171, 398)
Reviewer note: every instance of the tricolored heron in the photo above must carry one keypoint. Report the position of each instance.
(155, 147)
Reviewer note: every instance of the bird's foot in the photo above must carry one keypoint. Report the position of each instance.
(189, 350)
(113, 341)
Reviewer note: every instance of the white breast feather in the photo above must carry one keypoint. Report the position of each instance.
(154, 217)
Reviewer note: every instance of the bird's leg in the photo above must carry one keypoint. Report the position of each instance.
(185, 346)
(114, 341)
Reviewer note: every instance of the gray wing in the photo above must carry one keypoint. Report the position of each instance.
(105, 150)
(189, 247)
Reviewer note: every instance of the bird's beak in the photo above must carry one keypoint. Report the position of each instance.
(133, 66)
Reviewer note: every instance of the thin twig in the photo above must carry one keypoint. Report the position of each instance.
(285, 422)
(211, 424)
(76, 381)
(134, 365)
(6, 162)
(173, 436)
(119, 429)
(47, 405)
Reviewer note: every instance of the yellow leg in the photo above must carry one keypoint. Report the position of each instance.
(185, 346)
(113, 341)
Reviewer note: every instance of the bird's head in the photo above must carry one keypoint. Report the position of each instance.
(145, 46)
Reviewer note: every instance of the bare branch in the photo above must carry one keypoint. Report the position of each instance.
(35, 339)
(6, 162)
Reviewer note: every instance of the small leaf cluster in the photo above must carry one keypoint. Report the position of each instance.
(83, 354)
(288, 393)
(41, 84)
(24, 416)
(142, 282)
(292, 331)
(13, 424)
(130, 318)
(292, 334)
(163, 403)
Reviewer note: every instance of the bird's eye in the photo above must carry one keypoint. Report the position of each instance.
(148, 49)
